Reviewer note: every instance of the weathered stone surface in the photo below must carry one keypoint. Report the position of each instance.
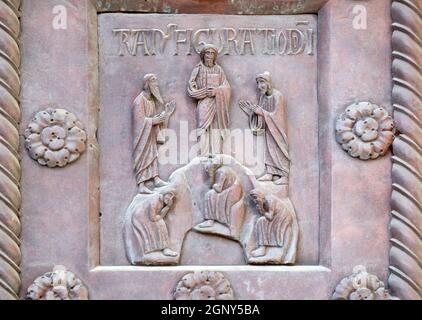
(173, 72)
(341, 202)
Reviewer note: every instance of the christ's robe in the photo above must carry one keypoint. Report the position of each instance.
(213, 117)
(146, 134)
(274, 123)
(273, 228)
(146, 230)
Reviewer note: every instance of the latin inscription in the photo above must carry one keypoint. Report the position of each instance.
(230, 41)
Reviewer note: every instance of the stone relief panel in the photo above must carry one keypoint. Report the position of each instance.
(361, 285)
(203, 285)
(208, 192)
(55, 138)
(213, 197)
(60, 284)
(365, 130)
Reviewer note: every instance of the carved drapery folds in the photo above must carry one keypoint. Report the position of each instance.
(57, 285)
(405, 280)
(161, 214)
(365, 130)
(204, 285)
(55, 138)
(361, 285)
(10, 170)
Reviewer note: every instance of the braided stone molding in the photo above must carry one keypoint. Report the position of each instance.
(10, 171)
(405, 278)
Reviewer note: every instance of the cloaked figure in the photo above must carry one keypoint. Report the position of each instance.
(276, 228)
(224, 205)
(269, 117)
(145, 231)
(209, 85)
(147, 126)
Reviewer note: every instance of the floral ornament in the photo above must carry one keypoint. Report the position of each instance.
(204, 285)
(57, 285)
(361, 285)
(55, 138)
(365, 130)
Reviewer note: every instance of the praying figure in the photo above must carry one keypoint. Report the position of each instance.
(147, 126)
(208, 84)
(269, 116)
(276, 228)
(146, 233)
(224, 206)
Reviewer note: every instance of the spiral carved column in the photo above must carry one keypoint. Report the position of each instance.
(405, 279)
(10, 171)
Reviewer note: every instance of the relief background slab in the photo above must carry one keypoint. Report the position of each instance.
(121, 81)
(60, 208)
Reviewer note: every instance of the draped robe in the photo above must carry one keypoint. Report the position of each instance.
(145, 230)
(271, 229)
(145, 149)
(274, 123)
(212, 113)
(220, 205)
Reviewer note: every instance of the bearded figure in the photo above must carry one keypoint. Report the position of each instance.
(208, 84)
(147, 126)
(269, 117)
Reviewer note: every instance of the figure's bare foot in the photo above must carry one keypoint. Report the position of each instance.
(169, 253)
(260, 252)
(282, 180)
(206, 224)
(267, 177)
(143, 189)
(159, 183)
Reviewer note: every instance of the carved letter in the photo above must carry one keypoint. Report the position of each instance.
(310, 41)
(157, 44)
(196, 43)
(124, 40)
(229, 39)
(139, 42)
(296, 41)
(282, 43)
(247, 39)
(269, 41)
(177, 40)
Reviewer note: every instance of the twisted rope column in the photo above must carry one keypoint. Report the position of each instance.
(10, 171)
(405, 279)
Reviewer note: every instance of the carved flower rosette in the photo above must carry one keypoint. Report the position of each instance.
(55, 138)
(361, 285)
(203, 285)
(57, 285)
(365, 130)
